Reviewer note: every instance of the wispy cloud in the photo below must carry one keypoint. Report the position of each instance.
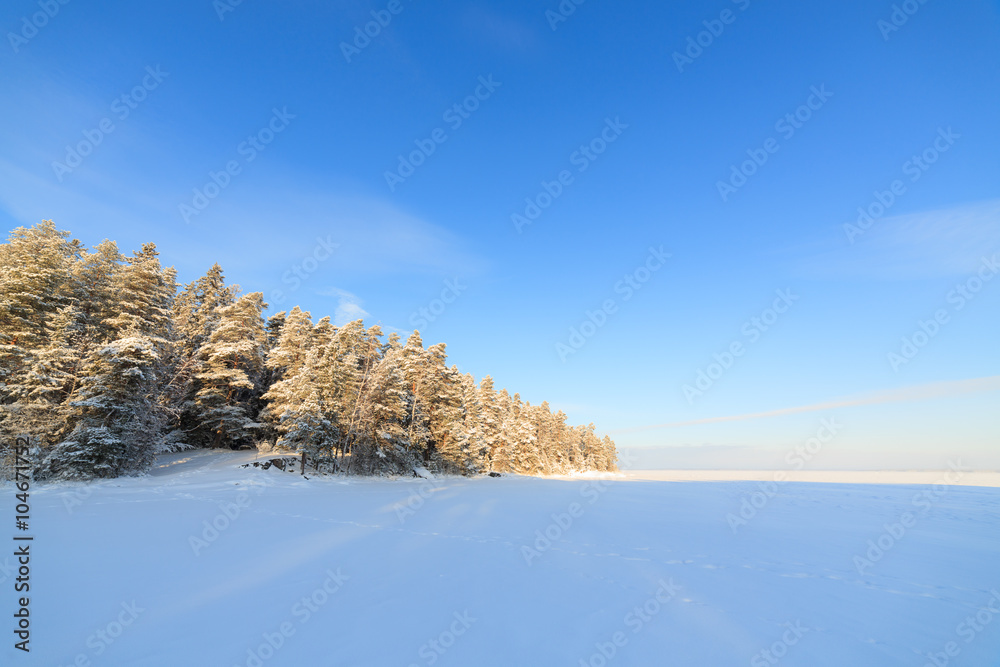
(348, 306)
(928, 244)
(920, 392)
(280, 219)
(136, 179)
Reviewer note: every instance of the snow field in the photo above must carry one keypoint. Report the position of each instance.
(205, 563)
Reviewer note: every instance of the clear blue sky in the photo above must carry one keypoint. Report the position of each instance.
(879, 96)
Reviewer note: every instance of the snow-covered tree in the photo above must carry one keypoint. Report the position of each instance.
(383, 421)
(35, 283)
(118, 425)
(296, 402)
(232, 364)
(40, 408)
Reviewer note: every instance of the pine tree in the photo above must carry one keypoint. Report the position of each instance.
(95, 285)
(608, 455)
(232, 364)
(503, 455)
(489, 420)
(384, 418)
(442, 400)
(286, 355)
(472, 426)
(360, 352)
(197, 308)
(117, 430)
(296, 404)
(35, 282)
(40, 410)
(195, 318)
(144, 295)
(526, 459)
(558, 443)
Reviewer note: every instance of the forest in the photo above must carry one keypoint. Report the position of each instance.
(106, 362)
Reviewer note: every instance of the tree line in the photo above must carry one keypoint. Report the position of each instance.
(105, 362)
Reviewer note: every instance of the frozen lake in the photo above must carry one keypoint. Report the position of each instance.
(205, 563)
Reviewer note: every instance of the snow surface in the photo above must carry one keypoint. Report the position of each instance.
(443, 561)
(922, 477)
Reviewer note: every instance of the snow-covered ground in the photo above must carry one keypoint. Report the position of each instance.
(510, 571)
(924, 477)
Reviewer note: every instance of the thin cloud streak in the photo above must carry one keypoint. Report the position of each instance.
(927, 244)
(914, 393)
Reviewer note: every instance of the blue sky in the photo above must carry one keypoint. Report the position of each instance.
(631, 139)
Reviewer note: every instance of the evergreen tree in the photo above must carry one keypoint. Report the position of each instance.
(232, 365)
(296, 402)
(35, 282)
(40, 409)
(489, 422)
(117, 429)
(197, 308)
(144, 295)
(526, 458)
(384, 417)
(286, 359)
(503, 455)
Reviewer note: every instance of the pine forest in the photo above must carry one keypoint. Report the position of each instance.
(105, 362)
